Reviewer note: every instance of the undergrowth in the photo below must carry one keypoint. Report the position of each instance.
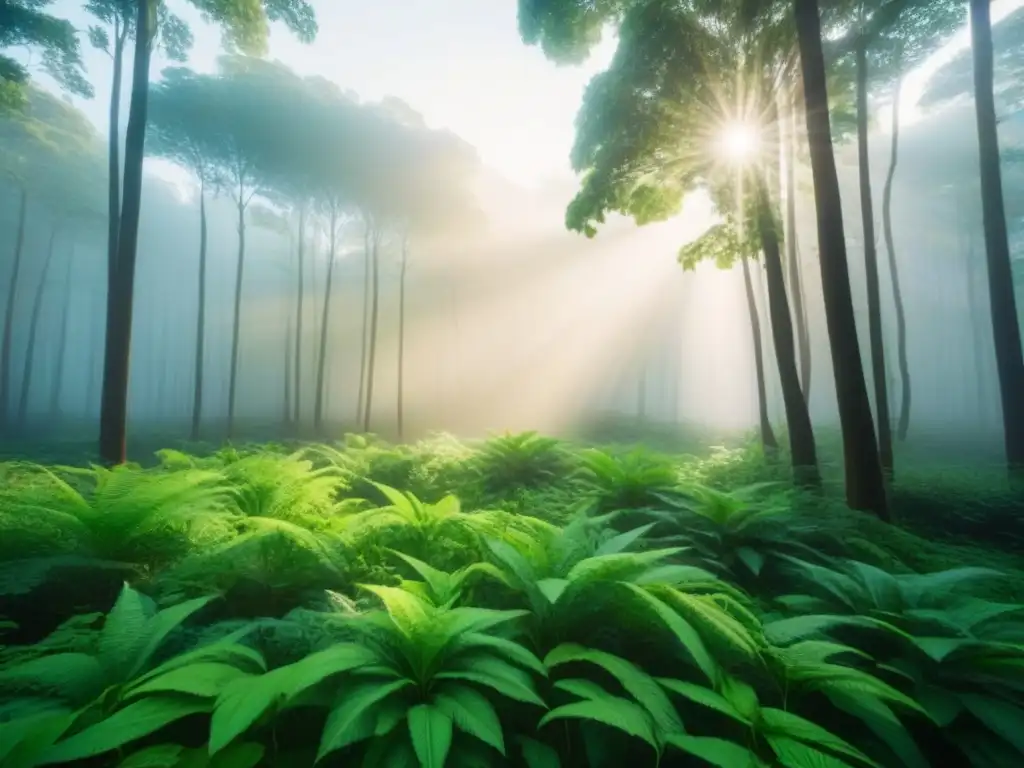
(516, 602)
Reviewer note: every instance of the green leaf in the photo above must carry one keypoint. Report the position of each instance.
(471, 712)
(552, 589)
(584, 689)
(688, 637)
(504, 678)
(638, 683)
(431, 732)
(796, 754)
(23, 740)
(132, 722)
(717, 752)
(612, 711)
(75, 676)
(536, 754)
(246, 754)
(159, 756)
(509, 649)
(1000, 717)
(124, 633)
(205, 680)
(161, 625)
(781, 723)
(751, 558)
(353, 717)
(705, 697)
(241, 704)
(884, 724)
(621, 542)
(307, 672)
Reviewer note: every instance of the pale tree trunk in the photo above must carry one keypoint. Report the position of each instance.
(6, 374)
(62, 340)
(325, 323)
(121, 28)
(1005, 320)
(33, 331)
(367, 256)
(400, 405)
(236, 326)
(197, 384)
(121, 293)
(903, 422)
(371, 356)
(768, 441)
(865, 482)
(298, 319)
(867, 214)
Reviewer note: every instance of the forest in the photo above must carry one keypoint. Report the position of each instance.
(325, 441)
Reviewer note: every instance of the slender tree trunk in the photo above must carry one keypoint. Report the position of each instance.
(33, 332)
(236, 327)
(298, 318)
(114, 148)
(120, 298)
(62, 340)
(360, 404)
(325, 323)
(865, 483)
(768, 441)
(400, 405)
(1005, 321)
(288, 371)
(903, 425)
(798, 419)
(6, 375)
(372, 355)
(197, 384)
(792, 255)
(867, 215)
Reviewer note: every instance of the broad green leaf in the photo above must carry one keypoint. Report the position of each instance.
(705, 697)
(622, 541)
(124, 633)
(716, 752)
(161, 625)
(778, 722)
(509, 649)
(1000, 717)
(742, 697)
(612, 711)
(634, 680)
(406, 610)
(206, 680)
(796, 754)
(132, 722)
(241, 704)
(472, 713)
(431, 732)
(884, 724)
(75, 676)
(621, 566)
(353, 717)
(584, 689)
(246, 754)
(502, 677)
(751, 558)
(307, 672)
(536, 754)
(25, 739)
(688, 637)
(552, 589)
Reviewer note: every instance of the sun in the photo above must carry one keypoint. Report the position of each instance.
(738, 142)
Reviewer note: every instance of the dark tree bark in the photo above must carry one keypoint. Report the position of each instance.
(120, 295)
(1005, 321)
(798, 420)
(400, 404)
(325, 322)
(367, 257)
(372, 354)
(33, 331)
(792, 256)
(867, 214)
(62, 339)
(12, 295)
(865, 483)
(236, 328)
(768, 441)
(903, 423)
(197, 384)
(298, 318)
(121, 28)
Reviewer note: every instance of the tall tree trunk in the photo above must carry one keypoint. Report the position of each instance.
(325, 323)
(903, 424)
(400, 405)
(1005, 321)
(798, 419)
(288, 371)
(867, 214)
(372, 355)
(865, 483)
(197, 384)
(360, 398)
(298, 318)
(792, 255)
(62, 340)
(768, 441)
(236, 326)
(33, 331)
(120, 296)
(121, 28)
(6, 374)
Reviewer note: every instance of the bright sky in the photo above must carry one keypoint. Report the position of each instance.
(459, 62)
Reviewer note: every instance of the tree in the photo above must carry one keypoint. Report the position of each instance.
(26, 24)
(42, 146)
(865, 484)
(246, 27)
(647, 134)
(1005, 320)
(179, 131)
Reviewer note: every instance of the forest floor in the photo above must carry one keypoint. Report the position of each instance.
(444, 603)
